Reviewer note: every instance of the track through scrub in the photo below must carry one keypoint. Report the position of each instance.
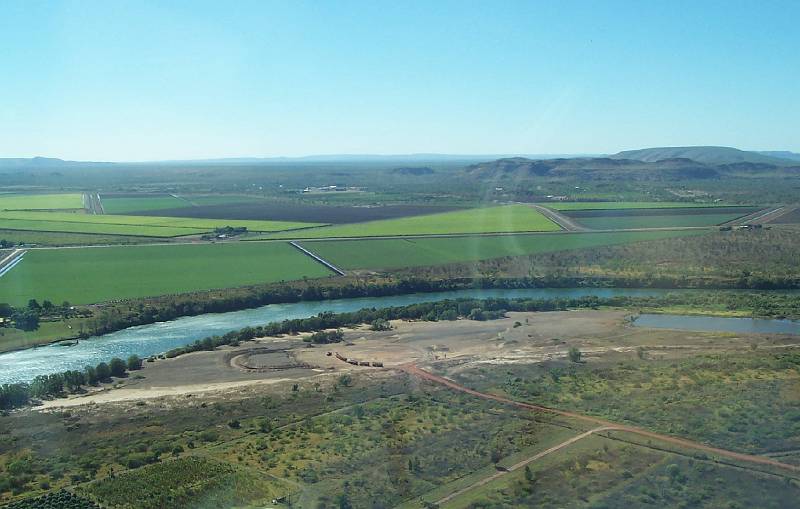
(414, 370)
(517, 466)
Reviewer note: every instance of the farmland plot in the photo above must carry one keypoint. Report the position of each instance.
(396, 253)
(153, 226)
(88, 275)
(629, 218)
(606, 205)
(508, 218)
(40, 201)
(259, 209)
(127, 204)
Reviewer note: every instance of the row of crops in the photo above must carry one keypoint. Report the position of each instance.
(57, 500)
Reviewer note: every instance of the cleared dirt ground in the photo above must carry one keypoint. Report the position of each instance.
(463, 344)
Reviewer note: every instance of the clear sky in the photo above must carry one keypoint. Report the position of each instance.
(144, 80)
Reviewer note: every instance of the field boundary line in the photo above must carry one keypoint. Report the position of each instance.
(318, 258)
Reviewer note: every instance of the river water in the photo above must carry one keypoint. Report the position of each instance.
(719, 324)
(147, 340)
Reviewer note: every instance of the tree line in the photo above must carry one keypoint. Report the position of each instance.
(66, 382)
(43, 386)
(27, 318)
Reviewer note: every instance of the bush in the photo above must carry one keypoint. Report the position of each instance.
(103, 372)
(380, 325)
(209, 435)
(134, 363)
(117, 367)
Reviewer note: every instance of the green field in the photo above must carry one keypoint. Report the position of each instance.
(611, 205)
(395, 253)
(149, 226)
(508, 218)
(127, 204)
(89, 275)
(666, 221)
(43, 238)
(40, 201)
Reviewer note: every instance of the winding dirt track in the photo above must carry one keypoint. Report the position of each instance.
(517, 466)
(749, 458)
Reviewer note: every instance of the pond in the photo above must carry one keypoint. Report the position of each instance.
(719, 324)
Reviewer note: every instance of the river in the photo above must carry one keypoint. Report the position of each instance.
(152, 339)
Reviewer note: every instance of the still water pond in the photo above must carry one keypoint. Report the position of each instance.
(719, 324)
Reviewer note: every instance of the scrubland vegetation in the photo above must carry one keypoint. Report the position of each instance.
(378, 437)
(737, 259)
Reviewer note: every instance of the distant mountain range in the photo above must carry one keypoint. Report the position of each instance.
(22, 163)
(613, 167)
(660, 162)
(782, 154)
(709, 155)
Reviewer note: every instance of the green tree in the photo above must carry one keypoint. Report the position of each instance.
(90, 374)
(103, 372)
(134, 363)
(117, 367)
(6, 310)
(529, 474)
(26, 319)
(574, 354)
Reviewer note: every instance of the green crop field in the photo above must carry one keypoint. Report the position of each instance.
(124, 205)
(395, 253)
(88, 275)
(40, 201)
(608, 205)
(42, 238)
(665, 221)
(149, 226)
(508, 218)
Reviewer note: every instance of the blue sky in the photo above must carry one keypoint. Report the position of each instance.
(145, 80)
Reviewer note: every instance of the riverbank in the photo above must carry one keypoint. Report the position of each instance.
(519, 338)
(155, 339)
(110, 317)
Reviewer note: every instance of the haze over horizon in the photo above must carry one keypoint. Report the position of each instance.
(199, 80)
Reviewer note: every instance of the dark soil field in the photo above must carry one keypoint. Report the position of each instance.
(692, 211)
(134, 195)
(290, 211)
(792, 217)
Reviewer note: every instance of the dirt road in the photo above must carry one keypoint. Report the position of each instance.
(517, 466)
(10, 261)
(561, 220)
(92, 203)
(749, 458)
